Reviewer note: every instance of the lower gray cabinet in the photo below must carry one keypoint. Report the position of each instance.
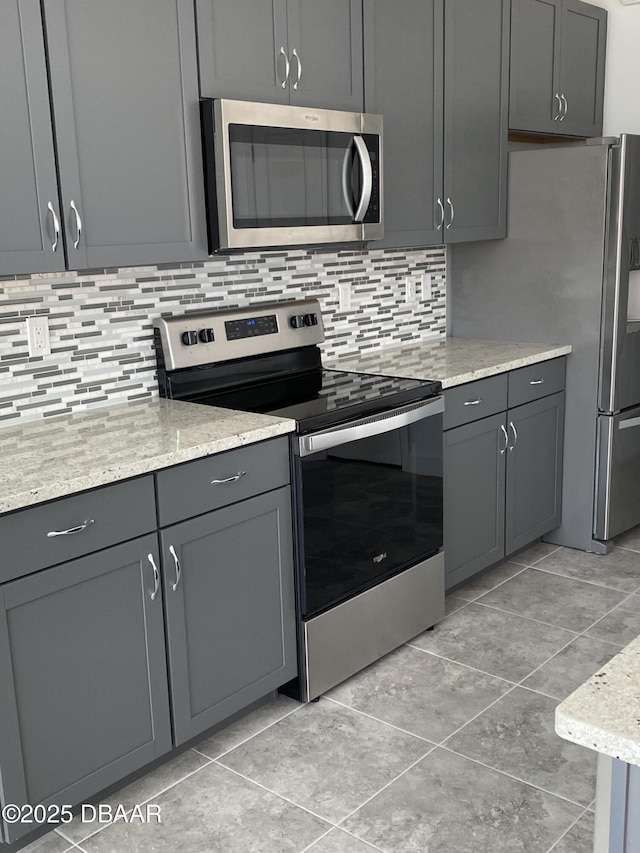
(230, 609)
(83, 681)
(502, 484)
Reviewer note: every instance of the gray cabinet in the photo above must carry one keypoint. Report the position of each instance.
(230, 609)
(28, 186)
(502, 470)
(282, 51)
(83, 682)
(557, 67)
(124, 94)
(438, 72)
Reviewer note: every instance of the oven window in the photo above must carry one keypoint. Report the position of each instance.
(370, 509)
(283, 177)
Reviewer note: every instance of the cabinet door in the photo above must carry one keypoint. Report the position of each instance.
(28, 183)
(476, 81)
(584, 35)
(242, 49)
(83, 681)
(230, 609)
(535, 71)
(534, 470)
(125, 98)
(474, 496)
(403, 82)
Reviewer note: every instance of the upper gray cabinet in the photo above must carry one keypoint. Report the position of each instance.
(302, 52)
(29, 213)
(557, 67)
(438, 73)
(124, 97)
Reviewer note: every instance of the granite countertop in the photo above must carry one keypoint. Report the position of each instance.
(452, 361)
(604, 714)
(70, 453)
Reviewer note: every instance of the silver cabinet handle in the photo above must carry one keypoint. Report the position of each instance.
(156, 577)
(172, 551)
(473, 402)
(566, 107)
(441, 206)
(287, 66)
(537, 382)
(506, 440)
(367, 178)
(450, 222)
(233, 479)
(56, 227)
(515, 435)
(295, 53)
(71, 530)
(73, 207)
(557, 115)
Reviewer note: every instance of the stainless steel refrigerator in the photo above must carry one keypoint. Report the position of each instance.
(569, 272)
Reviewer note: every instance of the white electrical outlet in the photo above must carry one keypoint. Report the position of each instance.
(427, 287)
(410, 295)
(344, 295)
(38, 336)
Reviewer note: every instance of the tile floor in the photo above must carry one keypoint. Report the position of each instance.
(445, 746)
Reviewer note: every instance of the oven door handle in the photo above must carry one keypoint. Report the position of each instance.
(367, 427)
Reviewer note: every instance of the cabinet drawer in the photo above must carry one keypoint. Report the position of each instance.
(535, 381)
(215, 481)
(115, 514)
(475, 400)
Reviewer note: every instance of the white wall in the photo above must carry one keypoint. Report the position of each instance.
(622, 87)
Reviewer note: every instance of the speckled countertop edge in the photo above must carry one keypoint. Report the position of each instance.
(604, 713)
(451, 361)
(72, 453)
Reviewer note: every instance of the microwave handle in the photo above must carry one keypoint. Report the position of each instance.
(367, 178)
(346, 190)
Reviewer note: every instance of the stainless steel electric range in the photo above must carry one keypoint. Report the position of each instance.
(366, 476)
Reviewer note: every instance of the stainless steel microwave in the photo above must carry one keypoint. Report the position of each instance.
(290, 176)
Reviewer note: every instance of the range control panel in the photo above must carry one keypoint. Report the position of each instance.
(196, 339)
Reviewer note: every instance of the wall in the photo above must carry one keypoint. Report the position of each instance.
(101, 322)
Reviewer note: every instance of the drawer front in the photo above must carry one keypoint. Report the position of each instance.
(114, 514)
(535, 381)
(215, 481)
(474, 400)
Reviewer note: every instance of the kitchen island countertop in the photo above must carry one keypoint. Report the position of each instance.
(71, 453)
(451, 361)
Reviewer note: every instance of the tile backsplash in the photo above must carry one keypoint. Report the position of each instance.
(101, 321)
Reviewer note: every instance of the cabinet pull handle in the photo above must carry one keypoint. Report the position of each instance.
(450, 222)
(295, 53)
(515, 436)
(473, 402)
(287, 67)
(441, 206)
(73, 207)
(172, 551)
(506, 440)
(71, 530)
(536, 382)
(233, 479)
(557, 115)
(156, 577)
(56, 227)
(566, 107)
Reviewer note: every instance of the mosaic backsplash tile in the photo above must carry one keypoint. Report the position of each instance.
(101, 321)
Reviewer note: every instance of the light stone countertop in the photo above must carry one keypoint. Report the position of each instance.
(604, 714)
(70, 453)
(452, 361)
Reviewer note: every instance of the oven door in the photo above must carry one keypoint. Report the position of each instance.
(371, 502)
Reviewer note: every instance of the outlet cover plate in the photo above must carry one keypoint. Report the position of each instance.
(38, 336)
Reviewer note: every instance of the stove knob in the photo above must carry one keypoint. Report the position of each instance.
(189, 338)
(206, 336)
(311, 319)
(297, 321)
